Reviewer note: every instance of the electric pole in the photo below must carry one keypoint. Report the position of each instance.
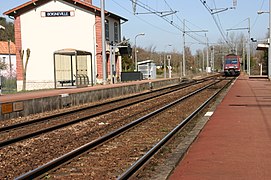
(103, 42)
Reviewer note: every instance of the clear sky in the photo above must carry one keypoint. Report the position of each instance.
(159, 33)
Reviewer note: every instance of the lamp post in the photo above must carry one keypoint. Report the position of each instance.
(165, 67)
(141, 34)
(94, 73)
(207, 54)
(269, 39)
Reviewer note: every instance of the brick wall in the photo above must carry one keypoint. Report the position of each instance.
(98, 54)
(18, 43)
(99, 60)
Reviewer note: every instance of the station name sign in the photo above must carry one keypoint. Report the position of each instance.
(57, 13)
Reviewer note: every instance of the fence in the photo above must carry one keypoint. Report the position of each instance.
(8, 85)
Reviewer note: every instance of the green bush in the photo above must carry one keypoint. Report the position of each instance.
(8, 85)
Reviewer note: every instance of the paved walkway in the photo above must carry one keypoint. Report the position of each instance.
(236, 141)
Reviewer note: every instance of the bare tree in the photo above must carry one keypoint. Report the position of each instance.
(24, 65)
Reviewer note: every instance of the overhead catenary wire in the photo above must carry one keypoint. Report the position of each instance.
(239, 23)
(218, 23)
(142, 19)
(164, 17)
(186, 27)
(256, 19)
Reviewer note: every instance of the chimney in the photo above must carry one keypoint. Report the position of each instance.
(87, 1)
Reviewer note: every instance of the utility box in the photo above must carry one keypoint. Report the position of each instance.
(147, 68)
(131, 76)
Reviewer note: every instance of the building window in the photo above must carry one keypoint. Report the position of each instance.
(116, 32)
(106, 30)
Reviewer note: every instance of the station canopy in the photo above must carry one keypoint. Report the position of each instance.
(71, 68)
(262, 46)
(70, 51)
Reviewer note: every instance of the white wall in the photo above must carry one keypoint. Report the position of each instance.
(45, 35)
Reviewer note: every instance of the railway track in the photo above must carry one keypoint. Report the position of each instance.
(18, 132)
(136, 148)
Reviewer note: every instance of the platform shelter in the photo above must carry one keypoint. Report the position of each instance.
(72, 68)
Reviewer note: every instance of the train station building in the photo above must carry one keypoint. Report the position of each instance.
(59, 43)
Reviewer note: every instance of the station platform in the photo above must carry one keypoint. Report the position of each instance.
(236, 141)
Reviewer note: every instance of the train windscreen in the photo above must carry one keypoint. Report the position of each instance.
(231, 61)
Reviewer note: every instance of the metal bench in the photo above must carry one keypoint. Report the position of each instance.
(66, 82)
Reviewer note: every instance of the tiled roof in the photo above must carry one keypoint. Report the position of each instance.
(4, 47)
(34, 3)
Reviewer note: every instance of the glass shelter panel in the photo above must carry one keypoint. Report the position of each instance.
(80, 71)
(64, 71)
(82, 65)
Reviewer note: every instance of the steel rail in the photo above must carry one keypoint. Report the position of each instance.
(138, 164)
(52, 128)
(67, 157)
(35, 121)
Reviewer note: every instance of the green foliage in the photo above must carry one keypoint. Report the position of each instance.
(127, 61)
(8, 33)
(160, 71)
(9, 85)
